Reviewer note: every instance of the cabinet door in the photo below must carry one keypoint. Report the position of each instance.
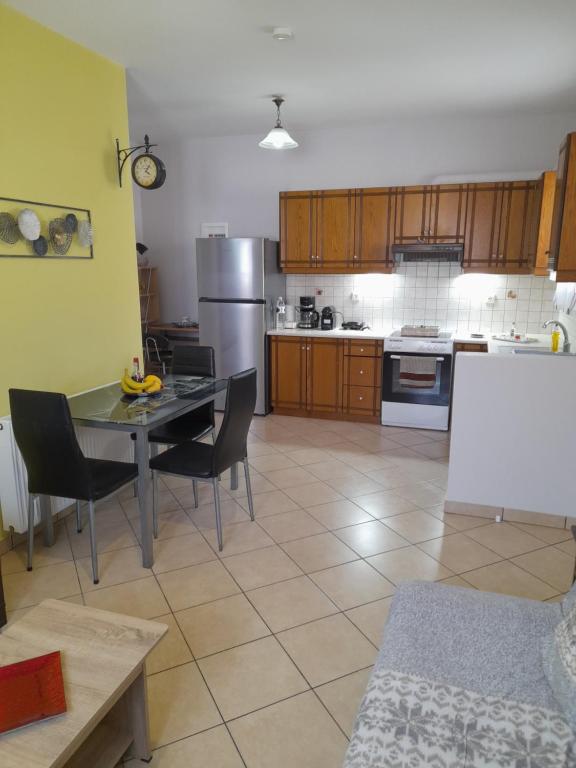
(545, 208)
(484, 205)
(563, 238)
(288, 372)
(517, 214)
(297, 229)
(447, 213)
(412, 209)
(325, 371)
(335, 220)
(375, 211)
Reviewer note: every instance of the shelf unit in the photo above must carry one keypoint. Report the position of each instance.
(149, 299)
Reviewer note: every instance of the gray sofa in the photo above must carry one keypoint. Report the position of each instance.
(460, 681)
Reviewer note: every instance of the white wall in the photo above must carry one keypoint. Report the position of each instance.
(231, 179)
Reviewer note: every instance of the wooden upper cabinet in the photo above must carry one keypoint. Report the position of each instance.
(482, 227)
(297, 229)
(543, 221)
(375, 216)
(563, 237)
(411, 210)
(335, 221)
(447, 213)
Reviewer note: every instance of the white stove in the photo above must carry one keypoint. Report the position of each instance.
(417, 378)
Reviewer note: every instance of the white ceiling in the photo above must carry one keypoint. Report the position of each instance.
(208, 67)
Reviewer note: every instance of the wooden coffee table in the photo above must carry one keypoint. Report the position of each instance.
(103, 658)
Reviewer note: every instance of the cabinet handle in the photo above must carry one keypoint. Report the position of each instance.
(354, 256)
(361, 349)
(361, 373)
(308, 348)
(361, 397)
(302, 347)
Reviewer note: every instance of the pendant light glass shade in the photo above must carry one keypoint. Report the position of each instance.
(278, 137)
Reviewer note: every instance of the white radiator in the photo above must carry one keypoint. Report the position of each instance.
(95, 443)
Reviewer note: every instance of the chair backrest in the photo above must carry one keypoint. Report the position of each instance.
(240, 403)
(191, 360)
(45, 435)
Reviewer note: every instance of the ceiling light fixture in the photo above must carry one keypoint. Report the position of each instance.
(278, 138)
(282, 33)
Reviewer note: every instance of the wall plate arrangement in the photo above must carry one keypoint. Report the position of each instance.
(29, 229)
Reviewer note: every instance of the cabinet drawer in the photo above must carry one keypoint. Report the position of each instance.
(363, 371)
(362, 399)
(470, 347)
(363, 348)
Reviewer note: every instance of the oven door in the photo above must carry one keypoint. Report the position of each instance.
(394, 390)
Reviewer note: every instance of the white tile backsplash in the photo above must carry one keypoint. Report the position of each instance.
(433, 294)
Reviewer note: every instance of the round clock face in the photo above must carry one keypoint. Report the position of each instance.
(148, 171)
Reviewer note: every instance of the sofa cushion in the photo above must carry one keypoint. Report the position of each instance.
(475, 640)
(559, 663)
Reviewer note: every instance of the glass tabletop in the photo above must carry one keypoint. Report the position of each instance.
(110, 405)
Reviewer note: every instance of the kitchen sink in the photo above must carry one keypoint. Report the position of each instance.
(542, 352)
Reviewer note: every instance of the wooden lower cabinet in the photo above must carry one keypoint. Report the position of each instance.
(326, 378)
(470, 346)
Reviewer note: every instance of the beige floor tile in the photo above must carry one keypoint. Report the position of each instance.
(290, 603)
(167, 502)
(196, 585)
(328, 648)
(204, 517)
(389, 477)
(31, 587)
(410, 438)
(352, 584)
(370, 538)
(306, 456)
(545, 532)
(142, 598)
(179, 704)
(259, 448)
(170, 525)
(369, 463)
(270, 461)
(342, 698)
(505, 539)
(220, 625)
(423, 494)
(458, 522)
(311, 494)
(269, 503)
(384, 504)
(114, 567)
(371, 618)
(338, 514)
(552, 566)
(261, 567)
(185, 494)
(418, 526)
(331, 469)
(108, 537)
(456, 581)
(318, 552)
(291, 525)
(238, 538)
(174, 553)
(15, 560)
(373, 442)
(568, 546)
(408, 564)
(433, 450)
(298, 733)
(346, 450)
(325, 438)
(351, 487)
(508, 579)
(459, 553)
(289, 478)
(251, 676)
(210, 749)
(171, 651)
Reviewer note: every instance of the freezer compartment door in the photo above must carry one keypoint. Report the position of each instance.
(230, 268)
(237, 331)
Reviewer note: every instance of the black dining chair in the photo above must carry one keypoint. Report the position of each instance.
(189, 360)
(56, 466)
(202, 461)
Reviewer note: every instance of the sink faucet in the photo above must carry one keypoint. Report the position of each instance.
(566, 345)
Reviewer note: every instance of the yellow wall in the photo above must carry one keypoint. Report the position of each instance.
(65, 325)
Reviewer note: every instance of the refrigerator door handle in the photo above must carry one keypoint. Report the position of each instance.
(210, 300)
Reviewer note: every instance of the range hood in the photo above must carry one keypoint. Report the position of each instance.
(443, 252)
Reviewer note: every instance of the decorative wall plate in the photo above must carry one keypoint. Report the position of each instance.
(29, 224)
(85, 233)
(70, 223)
(60, 240)
(9, 232)
(40, 246)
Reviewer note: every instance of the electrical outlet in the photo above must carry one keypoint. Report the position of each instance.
(491, 300)
(354, 296)
(319, 291)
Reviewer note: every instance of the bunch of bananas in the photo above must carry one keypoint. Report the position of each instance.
(149, 386)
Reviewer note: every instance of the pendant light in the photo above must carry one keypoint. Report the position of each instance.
(278, 138)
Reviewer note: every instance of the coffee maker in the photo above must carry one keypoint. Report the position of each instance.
(309, 317)
(327, 318)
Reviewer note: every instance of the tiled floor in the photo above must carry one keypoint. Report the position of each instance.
(271, 641)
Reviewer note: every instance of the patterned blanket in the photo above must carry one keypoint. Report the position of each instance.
(409, 722)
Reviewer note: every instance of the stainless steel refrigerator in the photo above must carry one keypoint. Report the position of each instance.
(238, 284)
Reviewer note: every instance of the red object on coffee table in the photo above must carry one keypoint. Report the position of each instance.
(31, 690)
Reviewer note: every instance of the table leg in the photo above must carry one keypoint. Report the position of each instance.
(145, 497)
(234, 477)
(137, 705)
(47, 522)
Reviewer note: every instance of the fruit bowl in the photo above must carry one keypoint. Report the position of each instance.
(132, 389)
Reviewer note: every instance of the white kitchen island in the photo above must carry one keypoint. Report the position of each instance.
(513, 444)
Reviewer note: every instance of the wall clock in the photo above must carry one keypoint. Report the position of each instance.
(148, 171)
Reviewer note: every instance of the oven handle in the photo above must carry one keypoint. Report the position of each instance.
(397, 357)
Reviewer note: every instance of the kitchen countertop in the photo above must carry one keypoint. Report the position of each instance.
(463, 337)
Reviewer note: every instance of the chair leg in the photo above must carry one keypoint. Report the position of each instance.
(31, 510)
(135, 483)
(195, 489)
(155, 504)
(218, 515)
(78, 516)
(249, 489)
(92, 522)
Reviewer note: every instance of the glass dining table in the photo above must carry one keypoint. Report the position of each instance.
(108, 408)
